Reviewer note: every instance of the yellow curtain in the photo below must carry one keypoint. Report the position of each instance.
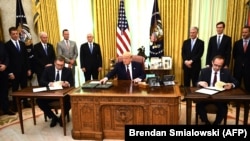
(237, 11)
(45, 19)
(175, 20)
(1, 28)
(105, 14)
(173, 14)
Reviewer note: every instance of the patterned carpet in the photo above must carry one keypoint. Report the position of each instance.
(6, 120)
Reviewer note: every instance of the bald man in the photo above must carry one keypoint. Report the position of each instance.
(126, 70)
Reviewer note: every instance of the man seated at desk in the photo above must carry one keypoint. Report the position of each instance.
(216, 73)
(51, 76)
(126, 70)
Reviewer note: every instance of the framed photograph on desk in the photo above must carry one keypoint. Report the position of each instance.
(167, 62)
(155, 63)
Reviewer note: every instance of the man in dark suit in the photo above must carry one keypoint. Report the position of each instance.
(48, 79)
(219, 44)
(90, 58)
(44, 55)
(126, 70)
(241, 56)
(192, 51)
(4, 62)
(19, 66)
(208, 76)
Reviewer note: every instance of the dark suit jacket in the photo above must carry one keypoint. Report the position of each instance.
(224, 49)
(89, 60)
(49, 76)
(225, 76)
(240, 57)
(19, 61)
(194, 55)
(4, 59)
(120, 71)
(40, 57)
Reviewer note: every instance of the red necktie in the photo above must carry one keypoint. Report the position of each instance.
(245, 45)
(215, 78)
(128, 74)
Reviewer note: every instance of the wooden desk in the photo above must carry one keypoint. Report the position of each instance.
(102, 113)
(28, 93)
(237, 95)
(159, 72)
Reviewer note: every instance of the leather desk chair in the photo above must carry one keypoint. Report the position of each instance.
(56, 105)
(211, 109)
(135, 58)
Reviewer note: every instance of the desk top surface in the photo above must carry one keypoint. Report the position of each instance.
(126, 88)
(235, 94)
(28, 92)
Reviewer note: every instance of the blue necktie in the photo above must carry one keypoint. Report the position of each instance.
(218, 42)
(45, 49)
(91, 48)
(17, 46)
(192, 44)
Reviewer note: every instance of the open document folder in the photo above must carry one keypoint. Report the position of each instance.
(219, 86)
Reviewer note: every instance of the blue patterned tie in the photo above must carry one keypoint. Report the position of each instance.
(218, 42)
(18, 47)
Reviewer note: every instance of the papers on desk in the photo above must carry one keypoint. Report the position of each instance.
(57, 85)
(56, 88)
(219, 86)
(40, 89)
(206, 91)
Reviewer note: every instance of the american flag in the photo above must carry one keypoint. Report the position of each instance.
(122, 33)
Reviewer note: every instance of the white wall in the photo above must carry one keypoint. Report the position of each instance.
(8, 14)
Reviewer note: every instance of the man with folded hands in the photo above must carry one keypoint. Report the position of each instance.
(208, 77)
(49, 79)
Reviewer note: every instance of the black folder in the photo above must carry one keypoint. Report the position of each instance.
(89, 85)
(104, 86)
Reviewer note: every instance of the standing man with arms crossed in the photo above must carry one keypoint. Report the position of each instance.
(44, 55)
(90, 58)
(241, 56)
(19, 66)
(208, 77)
(219, 44)
(68, 49)
(192, 51)
(4, 81)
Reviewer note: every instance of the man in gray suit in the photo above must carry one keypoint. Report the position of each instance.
(68, 49)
